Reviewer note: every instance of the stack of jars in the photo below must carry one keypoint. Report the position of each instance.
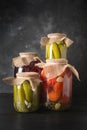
(26, 82)
(57, 73)
(46, 85)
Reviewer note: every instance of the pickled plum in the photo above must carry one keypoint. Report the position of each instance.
(29, 68)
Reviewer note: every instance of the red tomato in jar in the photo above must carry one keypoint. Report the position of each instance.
(53, 96)
(56, 91)
(51, 82)
(58, 86)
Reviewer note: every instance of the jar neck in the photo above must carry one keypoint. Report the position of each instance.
(27, 75)
(61, 61)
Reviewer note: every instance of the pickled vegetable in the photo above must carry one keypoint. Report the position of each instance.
(56, 50)
(56, 91)
(55, 94)
(19, 98)
(27, 90)
(26, 100)
(63, 49)
(36, 98)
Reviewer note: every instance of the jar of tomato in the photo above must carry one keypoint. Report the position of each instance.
(56, 45)
(57, 84)
(26, 62)
(26, 91)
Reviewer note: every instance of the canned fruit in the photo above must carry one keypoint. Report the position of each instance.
(28, 68)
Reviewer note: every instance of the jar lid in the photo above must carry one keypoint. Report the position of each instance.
(32, 77)
(56, 35)
(55, 67)
(27, 54)
(24, 59)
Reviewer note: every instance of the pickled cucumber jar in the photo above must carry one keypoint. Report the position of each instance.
(26, 91)
(26, 62)
(57, 84)
(56, 45)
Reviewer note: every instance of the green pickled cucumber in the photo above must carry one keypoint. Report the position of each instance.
(56, 51)
(28, 91)
(36, 97)
(20, 104)
(47, 51)
(63, 49)
(15, 100)
(52, 51)
(15, 93)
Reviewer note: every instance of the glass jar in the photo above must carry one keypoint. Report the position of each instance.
(26, 62)
(57, 85)
(27, 91)
(56, 50)
(56, 45)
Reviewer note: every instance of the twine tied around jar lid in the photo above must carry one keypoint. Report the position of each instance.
(55, 37)
(25, 58)
(28, 54)
(32, 77)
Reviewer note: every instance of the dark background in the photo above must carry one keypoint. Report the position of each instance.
(24, 22)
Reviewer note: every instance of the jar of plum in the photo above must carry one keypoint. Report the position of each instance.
(57, 84)
(25, 62)
(56, 45)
